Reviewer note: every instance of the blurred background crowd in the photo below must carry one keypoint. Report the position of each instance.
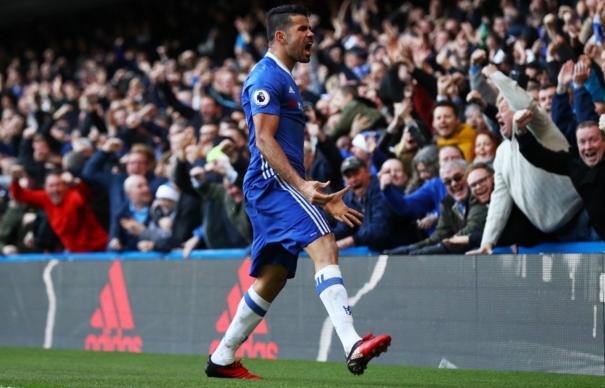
(121, 126)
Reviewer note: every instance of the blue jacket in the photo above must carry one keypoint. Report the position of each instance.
(95, 172)
(376, 230)
(426, 199)
(129, 241)
(566, 118)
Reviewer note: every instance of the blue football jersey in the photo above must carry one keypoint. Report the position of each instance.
(270, 89)
(283, 221)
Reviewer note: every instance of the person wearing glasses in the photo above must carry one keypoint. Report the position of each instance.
(461, 214)
(480, 180)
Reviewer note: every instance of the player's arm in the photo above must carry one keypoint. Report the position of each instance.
(266, 126)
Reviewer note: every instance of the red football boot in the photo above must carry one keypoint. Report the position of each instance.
(364, 350)
(235, 370)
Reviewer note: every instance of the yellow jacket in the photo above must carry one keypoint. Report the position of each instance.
(464, 138)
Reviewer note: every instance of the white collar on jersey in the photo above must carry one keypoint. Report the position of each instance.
(279, 63)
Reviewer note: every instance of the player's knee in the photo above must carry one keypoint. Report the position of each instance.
(323, 251)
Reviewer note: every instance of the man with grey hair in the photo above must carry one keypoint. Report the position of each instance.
(460, 214)
(548, 203)
(133, 216)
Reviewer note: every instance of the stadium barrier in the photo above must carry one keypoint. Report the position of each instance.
(527, 312)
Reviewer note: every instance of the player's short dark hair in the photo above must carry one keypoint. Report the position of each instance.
(278, 18)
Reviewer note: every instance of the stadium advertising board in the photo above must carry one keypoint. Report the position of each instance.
(507, 312)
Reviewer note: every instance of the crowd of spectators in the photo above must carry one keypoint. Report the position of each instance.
(458, 126)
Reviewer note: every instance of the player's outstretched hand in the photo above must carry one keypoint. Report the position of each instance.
(340, 211)
(313, 191)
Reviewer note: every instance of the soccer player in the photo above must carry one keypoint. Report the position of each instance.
(282, 204)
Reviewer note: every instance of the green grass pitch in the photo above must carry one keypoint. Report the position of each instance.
(22, 367)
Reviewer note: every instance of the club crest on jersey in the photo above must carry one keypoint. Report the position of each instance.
(260, 97)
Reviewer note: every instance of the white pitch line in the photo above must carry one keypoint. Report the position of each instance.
(325, 336)
(52, 303)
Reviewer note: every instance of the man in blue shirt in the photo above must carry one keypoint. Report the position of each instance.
(379, 230)
(282, 205)
(132, 217)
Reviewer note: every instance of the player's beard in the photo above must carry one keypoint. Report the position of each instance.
(301, 53)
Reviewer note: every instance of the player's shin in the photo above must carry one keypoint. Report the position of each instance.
(331, 291)
(251, 310)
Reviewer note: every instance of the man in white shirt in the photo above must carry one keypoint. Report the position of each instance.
(549, 201)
